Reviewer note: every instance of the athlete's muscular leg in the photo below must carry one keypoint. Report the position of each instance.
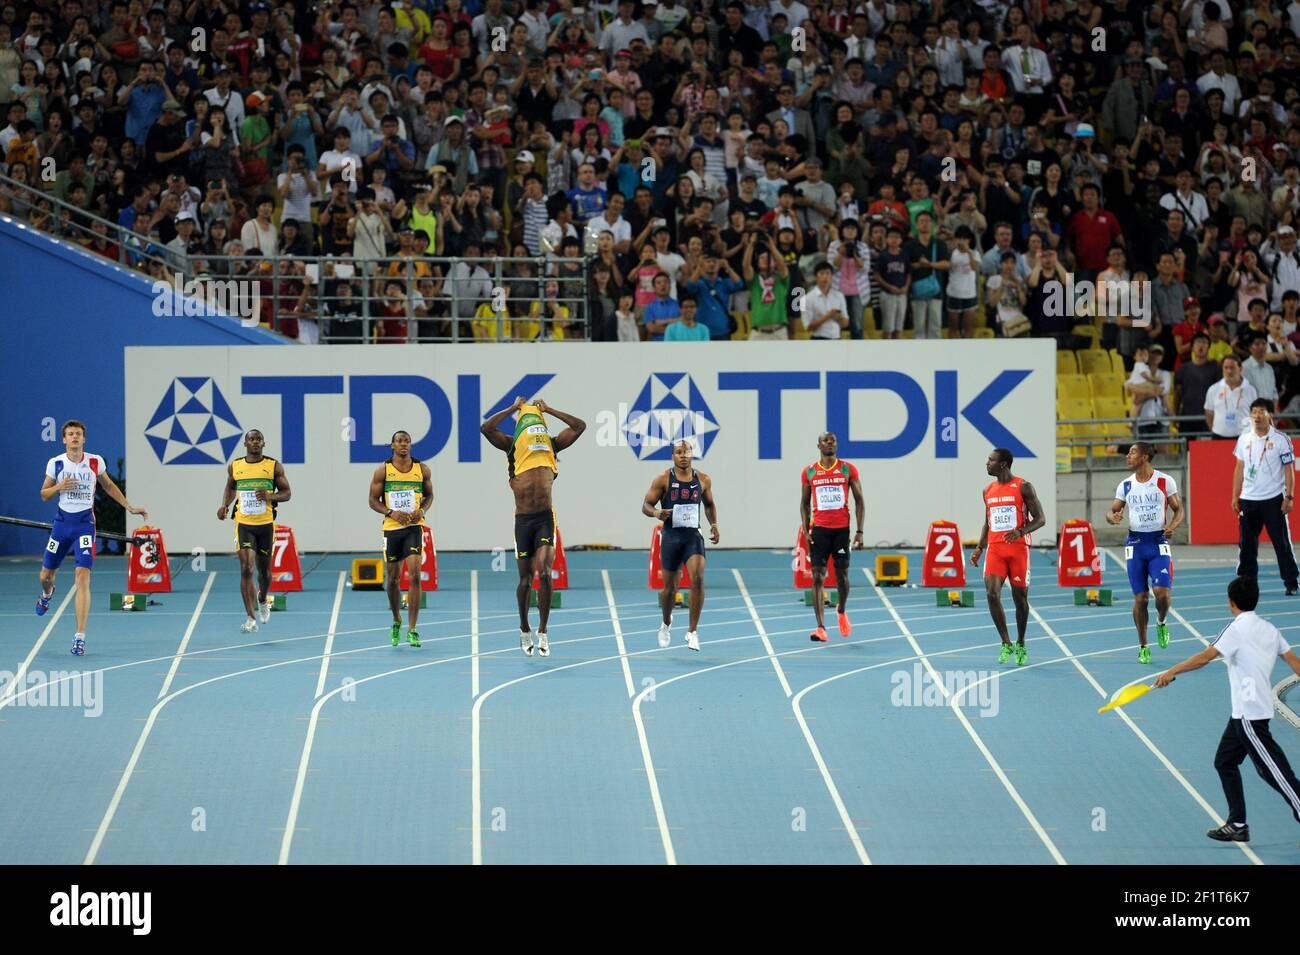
(818, 573)
(413, 591)
(83, 597)
(1164, 598)
(993, 589)
(47, 579)
(263, 574)
(542, 565)
(695, 567)
(1020, 596)
(247, 585)
(667, 596)
(842, 582)
(1140, 616)
(522, 588)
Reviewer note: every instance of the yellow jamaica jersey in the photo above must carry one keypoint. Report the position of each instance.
(532, 447)
(249, 479)
(403, 491)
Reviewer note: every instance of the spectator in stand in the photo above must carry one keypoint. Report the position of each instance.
(686, 328)
(1227, 403)
(1194, 378)
(1255, 369)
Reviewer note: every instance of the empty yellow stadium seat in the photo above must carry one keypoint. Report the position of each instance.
(1066, 364)
(1074, 409)
(1094, 361)
(1105, 385)
(1072, 386)
(1110, 407)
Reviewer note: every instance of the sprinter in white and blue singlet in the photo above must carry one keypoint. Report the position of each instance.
(675, 498)
(72, 477)
(1147, 494)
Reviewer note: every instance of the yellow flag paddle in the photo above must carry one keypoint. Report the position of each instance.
(1127, 695)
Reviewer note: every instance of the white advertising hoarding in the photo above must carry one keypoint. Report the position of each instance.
(918, 419)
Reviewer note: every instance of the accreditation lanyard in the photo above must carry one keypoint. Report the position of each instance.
(1241, 394)
(1254, 468)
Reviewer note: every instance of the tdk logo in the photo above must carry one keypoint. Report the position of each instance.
(669, 409)
(670, 404)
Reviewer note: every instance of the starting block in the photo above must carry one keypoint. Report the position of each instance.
(424, 600)
(557, 599)
(1093, 597)
(367, 573)
(128, 601)
(827, 600)
(891, 570)
(954, 598)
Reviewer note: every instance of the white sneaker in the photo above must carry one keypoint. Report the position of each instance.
(665, 635)
(264, 611)
(543, 645)
(526, 642)
(693, 640)
(248, 626)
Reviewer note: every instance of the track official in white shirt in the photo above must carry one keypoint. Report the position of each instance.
(1263, 489)
(1250, 645)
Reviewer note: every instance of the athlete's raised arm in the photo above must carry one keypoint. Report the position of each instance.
(1116, 513)
(1036, 517)
(112, 490)
(650, 506)
(426, 489)
(710, 508)
(984, 535)
(860, 505)
(377, 496)
(1176, 505)
(228, 493)
(282, 492)
(573, 431)
(52, 488)
(491, 430)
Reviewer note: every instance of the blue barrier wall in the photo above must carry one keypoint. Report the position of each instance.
(67, 317)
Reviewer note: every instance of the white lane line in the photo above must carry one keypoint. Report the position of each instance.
(329, 636)
(767, 644)
(831, 788)
(185, 640)
(19, 677)
(618, 633)
(970, 730)
(473, 634)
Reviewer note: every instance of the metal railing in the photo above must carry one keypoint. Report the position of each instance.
(55, 217)
(1087, 487)
(339, 299)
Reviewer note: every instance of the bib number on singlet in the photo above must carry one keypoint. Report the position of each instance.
(249, 505)
(402, 501)
(686, 515)
(1002, 518)
(830, 497)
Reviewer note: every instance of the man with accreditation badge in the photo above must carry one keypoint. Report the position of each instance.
(1263, 489)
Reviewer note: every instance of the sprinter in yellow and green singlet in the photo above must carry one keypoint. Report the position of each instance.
(401, 489)
(532, 464)
(255, 484)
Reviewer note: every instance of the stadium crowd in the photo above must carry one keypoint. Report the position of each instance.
(699, 170)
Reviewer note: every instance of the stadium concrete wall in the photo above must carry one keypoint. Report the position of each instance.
(68, 315)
